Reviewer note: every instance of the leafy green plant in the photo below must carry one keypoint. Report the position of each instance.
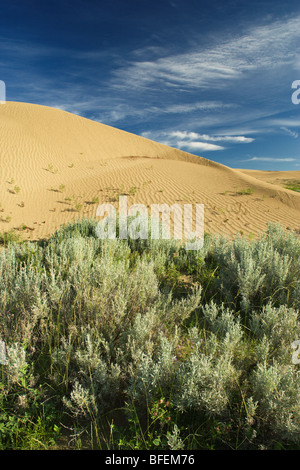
(158, 432)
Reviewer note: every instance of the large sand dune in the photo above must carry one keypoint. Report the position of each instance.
(54, 166)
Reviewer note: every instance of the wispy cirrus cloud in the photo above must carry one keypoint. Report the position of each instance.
(121, 110)
(271, 159)
(195, 106)
(236, 80)
(87, 85)
(263, 47)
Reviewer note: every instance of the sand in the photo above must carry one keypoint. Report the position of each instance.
(56, 167)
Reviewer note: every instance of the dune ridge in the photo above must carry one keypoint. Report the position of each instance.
(57, 166)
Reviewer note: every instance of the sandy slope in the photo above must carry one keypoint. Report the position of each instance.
(280, 178)
(60, 162)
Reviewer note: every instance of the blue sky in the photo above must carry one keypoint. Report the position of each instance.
(213, 78)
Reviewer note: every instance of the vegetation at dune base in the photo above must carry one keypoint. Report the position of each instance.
(293, 185)
(140, 344)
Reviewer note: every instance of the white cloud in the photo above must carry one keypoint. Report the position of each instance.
(183, 134)
(193, 140)
(199, 145)
(229, 138)
(270, 159)
(115, 111)
(284, 122)
(211, 138)
(197, 106)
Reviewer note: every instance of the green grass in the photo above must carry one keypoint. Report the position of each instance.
(9, 237)
(133, 190)
(293, 187)
(244, 191)
(78, 206)
(95, 200)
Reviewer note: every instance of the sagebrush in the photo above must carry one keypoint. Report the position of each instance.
(141, 344)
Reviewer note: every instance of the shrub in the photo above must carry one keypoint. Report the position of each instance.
(100, 328)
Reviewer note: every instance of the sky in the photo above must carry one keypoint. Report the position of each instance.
(213, 78)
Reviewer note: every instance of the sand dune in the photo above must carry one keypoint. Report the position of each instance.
(56, 167)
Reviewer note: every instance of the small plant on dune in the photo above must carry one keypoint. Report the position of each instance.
(244, 191)
(133, 190)
(51, 169)
(17, 189)
(62, 188)
(78, 206)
